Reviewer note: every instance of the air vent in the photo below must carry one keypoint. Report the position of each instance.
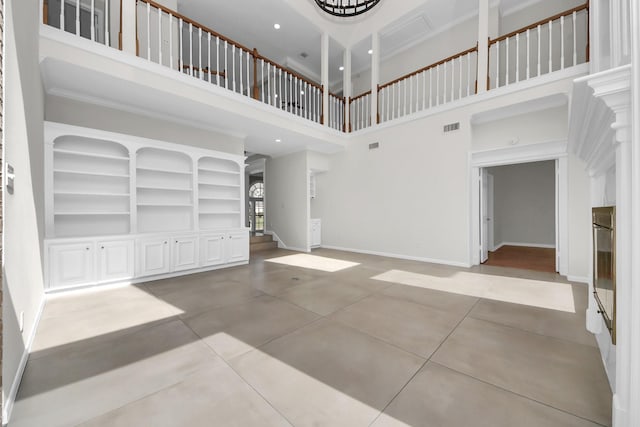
(374, 145)
(451, 127)
(304, 55)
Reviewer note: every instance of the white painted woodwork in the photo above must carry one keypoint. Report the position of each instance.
(104, 191)
(315, 232)
(212, 249)
(116, 260)
(71, 264)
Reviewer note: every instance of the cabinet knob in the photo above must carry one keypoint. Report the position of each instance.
(101, 247)
(222, 238)
(176, 241)
(165, 242)
(88, 248)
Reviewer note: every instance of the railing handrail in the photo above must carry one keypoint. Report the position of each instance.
(362, 95)
(541, 22)
(252, 52)
(340, 98)
(428, 67)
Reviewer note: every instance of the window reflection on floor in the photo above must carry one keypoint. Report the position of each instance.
(314, 262)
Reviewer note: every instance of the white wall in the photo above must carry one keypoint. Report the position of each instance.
(23, 210)
(64, 110)
(535, 12)
(524, 203)
(287, 200)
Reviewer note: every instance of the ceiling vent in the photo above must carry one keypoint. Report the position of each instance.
(304, 55)
(451, 127)
(403, 34)
(374, 145)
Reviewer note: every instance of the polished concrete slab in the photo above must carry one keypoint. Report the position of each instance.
(335, 339)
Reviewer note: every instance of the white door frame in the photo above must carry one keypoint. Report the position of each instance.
(553, 150)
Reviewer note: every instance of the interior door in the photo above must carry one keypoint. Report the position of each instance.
(484, 216)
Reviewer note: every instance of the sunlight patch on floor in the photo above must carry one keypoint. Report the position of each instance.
(534, 293)
(314, 262)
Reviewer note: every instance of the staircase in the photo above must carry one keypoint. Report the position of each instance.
(262, 243)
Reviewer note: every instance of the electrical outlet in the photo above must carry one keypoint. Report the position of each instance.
(21, 321)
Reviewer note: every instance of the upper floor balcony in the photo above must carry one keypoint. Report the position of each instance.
(376, 80)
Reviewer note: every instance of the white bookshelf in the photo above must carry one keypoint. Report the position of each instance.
(164, 191)
(91, 184)
(219, 193)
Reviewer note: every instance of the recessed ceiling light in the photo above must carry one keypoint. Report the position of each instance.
(370, 52)
(278, 140)
(301, 92)
(276, 95)
(276, 26)
(341, 68)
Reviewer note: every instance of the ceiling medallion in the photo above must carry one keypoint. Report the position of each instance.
(346, 8)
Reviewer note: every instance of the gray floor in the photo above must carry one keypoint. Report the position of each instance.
(303, 340)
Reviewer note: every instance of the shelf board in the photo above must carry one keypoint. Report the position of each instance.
(222, 199)
(219, 213)
(89, 213)
(219, 185)
(110, 175)
(70, 193)
(147, 169)
(218, 171)
(86, 154)
(165, 205)
(149, 187)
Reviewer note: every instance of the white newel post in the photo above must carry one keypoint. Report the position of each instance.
(325, 78)
(128, 32)
(483, 46)
(346, 87)
(375, 76)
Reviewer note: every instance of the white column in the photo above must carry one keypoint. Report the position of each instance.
(128, 31)
(483, 44)
(325, 77)
(634, 323)
(346, 86)
(375, 76)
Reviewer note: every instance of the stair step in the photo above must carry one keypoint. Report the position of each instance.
(260, 239)
(261, 246)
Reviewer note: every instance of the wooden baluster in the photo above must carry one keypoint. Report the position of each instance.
(262, 78)
(218, 61)
(550, 46)
(539, 52)
(528, 56)
(497, 65)
(93, 25)
(404, 100)
(424, 89)
(517, 57)
(226, 69)
(280, 86)
(287, 91)
(107, 12)
(148, 31)
(506, 57)
(430, 87)
(562, 42)
(170, 41)
(248, 74)
(160, 36)
(460, 80)
(575, 43)
(78, 17)
(453, 78)
(410, 94)
(437, 85)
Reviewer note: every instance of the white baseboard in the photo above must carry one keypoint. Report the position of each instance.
(579, 279)
(10, 397)
(529, 245)
(282, 244)
(398, 256)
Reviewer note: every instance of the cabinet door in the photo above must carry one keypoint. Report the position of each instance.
(115, 260)
(154, 256)
(185, 253)
(71, 264)
(237, 246)
(212, 249)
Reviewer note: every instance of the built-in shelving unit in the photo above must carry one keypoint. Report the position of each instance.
(121, 208)
(164, 190)
(218, 193)
(91, 184)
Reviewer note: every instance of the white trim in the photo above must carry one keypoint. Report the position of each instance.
(282, 244)
(579, 279)
(526, 245)
(550, 150)
(399, 256)
(10, 397)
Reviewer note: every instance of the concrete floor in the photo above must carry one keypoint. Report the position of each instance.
(327, 339)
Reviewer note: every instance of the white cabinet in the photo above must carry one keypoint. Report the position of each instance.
(71, 264)
(315, 233)
(237, 246)
(155, 256)
(212, 249)
(115, 260)
(184, 251)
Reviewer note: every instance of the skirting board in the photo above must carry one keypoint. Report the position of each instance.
(11, 396)
(281, 244)
(407, 257)
(579, 279)
(528, 245)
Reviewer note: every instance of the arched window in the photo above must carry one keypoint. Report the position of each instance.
(256, 191)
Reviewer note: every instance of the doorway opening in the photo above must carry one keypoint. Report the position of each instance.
(256, 204)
